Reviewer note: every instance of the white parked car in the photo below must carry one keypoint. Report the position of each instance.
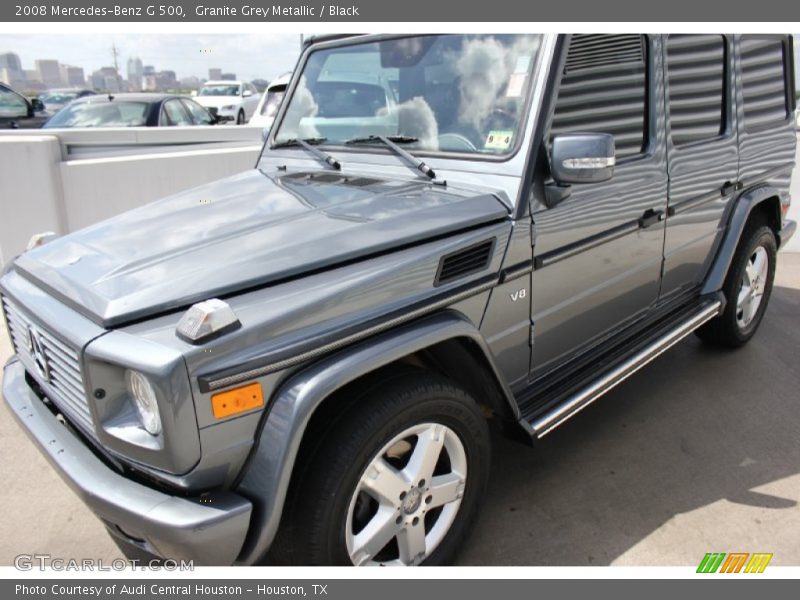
(270, 102)
(229, 100)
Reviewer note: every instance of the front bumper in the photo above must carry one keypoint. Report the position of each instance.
(209, 530)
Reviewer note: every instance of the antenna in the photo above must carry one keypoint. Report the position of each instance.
(115, 55)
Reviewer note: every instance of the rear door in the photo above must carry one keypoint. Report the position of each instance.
(702, 155)
(597, 261)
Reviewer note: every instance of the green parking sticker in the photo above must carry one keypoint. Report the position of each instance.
(498, 139)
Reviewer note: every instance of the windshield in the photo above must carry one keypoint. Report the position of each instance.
(57, 97)
(105, 114)
(450, 93)
(219, 90)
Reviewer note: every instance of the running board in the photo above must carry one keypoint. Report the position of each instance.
(576, 402)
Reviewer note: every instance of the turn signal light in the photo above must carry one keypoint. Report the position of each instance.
(238, 400)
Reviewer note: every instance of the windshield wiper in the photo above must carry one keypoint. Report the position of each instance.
(308, 144)
(391, 142)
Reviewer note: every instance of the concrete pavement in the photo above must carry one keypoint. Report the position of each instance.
(696, 453)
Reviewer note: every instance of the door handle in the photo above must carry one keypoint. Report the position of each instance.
(650, 217)
(729, 187)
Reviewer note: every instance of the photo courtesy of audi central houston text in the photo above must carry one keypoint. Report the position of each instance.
(401, 299)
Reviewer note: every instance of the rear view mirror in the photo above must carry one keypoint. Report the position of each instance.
(582, 158)
(247, 93)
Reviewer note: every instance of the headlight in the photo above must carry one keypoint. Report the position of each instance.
(144, 399)
(229, 107)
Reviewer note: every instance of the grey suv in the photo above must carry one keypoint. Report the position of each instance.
(443, 234)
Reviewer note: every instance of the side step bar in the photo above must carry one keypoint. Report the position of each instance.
(583, 398)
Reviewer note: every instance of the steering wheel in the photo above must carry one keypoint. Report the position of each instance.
(455, 142)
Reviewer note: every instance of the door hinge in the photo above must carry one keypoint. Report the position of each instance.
(532, 334)
(533, 234)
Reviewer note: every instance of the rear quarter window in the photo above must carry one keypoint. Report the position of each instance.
(764, 81)
(696, 68)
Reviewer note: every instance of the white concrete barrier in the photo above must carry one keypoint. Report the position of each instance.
(63, 180)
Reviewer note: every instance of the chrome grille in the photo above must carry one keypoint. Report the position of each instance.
(61, 375)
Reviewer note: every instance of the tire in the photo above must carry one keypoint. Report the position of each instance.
(240, 118)
(741, 317)
(330, 511)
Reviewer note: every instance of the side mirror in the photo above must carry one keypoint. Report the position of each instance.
(247, 93)
(38, 105)
(194, 93)
(582, 158)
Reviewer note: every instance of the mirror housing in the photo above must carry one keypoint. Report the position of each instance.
(37, 105)
(582, 158)
(247, 94)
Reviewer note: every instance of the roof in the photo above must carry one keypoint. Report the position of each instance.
(126, 97)
(224, 82)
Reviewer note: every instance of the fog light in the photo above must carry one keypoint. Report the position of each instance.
(206, 320)
(144, 399)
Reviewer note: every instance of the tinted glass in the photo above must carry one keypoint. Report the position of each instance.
(458, 93)
(696, 70)
(105, 114)
(604, 90)
(763, 80)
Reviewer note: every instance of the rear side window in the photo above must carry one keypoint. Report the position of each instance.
(696, 71)
(604, 90)
(764, 78)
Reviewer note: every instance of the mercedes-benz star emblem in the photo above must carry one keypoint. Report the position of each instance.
(36, 348)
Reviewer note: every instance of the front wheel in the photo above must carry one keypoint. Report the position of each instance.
(240, 118)
(397, 481)
(747, 289)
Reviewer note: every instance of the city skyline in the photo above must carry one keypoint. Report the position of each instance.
(188, 55)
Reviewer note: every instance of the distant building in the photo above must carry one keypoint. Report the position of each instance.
(135, 74)
(106, 79)
(10, 61)
(49, 72)
(148, 70)
(228, 77)
(72, 76)
(190, 83)
(12, 77)
(214, 74)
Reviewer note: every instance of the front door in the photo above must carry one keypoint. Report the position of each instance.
(598, 252)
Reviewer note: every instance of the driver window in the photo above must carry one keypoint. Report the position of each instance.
(604, 90)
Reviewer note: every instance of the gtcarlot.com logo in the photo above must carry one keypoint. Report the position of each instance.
(735, 562)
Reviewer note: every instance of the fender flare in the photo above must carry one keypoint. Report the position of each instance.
(268, 472)
(737, 221)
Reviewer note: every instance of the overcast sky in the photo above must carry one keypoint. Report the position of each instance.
(249, 56)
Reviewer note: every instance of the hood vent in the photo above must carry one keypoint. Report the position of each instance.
(463, 262)
(332, 178)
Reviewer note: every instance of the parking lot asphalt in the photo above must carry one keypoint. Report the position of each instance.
(698, 452)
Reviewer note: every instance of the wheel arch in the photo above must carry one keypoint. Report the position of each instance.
(762, 201)
(439, 340)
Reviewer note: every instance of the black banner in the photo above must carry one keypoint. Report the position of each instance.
(256, 11)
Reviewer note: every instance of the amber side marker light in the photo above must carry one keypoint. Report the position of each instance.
(238, 400)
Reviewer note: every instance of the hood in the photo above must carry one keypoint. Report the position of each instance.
(217, 101)
(242, 232)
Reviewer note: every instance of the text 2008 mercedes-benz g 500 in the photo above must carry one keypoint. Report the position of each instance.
(441, 232)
